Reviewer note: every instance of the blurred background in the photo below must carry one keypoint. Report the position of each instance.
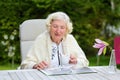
(91, 19)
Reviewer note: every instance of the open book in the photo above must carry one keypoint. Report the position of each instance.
(67, 70)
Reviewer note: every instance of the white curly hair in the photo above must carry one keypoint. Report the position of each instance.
(59, 16)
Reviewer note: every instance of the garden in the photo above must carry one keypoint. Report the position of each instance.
(91, 19)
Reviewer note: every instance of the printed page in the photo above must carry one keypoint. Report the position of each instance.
(67, 71)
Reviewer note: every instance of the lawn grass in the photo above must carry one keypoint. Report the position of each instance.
(8, 66)
(104, 61)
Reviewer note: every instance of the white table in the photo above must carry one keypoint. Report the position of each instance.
(32, 74)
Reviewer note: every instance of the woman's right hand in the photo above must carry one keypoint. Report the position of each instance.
(73, 59)
(41, 65)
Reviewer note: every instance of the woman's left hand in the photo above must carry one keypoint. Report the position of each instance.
(73, 59)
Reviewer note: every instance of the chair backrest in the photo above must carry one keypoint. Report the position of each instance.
(117, 49)
(29, 30)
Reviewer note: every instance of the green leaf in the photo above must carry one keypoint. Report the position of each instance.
(104, 51)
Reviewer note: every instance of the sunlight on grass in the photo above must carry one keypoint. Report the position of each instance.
(104, 61)
(8, 66)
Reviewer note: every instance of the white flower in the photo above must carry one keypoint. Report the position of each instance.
(12, 37)
(13, 48)
(5, 36)
(11, 54)
(14, 32)
(4, 43)
(10, 48)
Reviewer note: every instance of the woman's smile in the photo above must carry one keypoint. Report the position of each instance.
(57, 30)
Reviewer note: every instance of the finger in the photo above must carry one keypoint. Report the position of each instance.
(73, 61)
(40, 66)
(72, 56)
(45, 63)
(35, 66)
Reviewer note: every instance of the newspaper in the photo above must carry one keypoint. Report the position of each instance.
(67, 71)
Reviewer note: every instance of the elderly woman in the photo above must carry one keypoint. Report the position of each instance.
(56, 46)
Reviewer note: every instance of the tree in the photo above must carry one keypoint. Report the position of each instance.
(90, 18)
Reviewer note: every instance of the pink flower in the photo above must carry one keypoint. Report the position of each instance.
(101, 45)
